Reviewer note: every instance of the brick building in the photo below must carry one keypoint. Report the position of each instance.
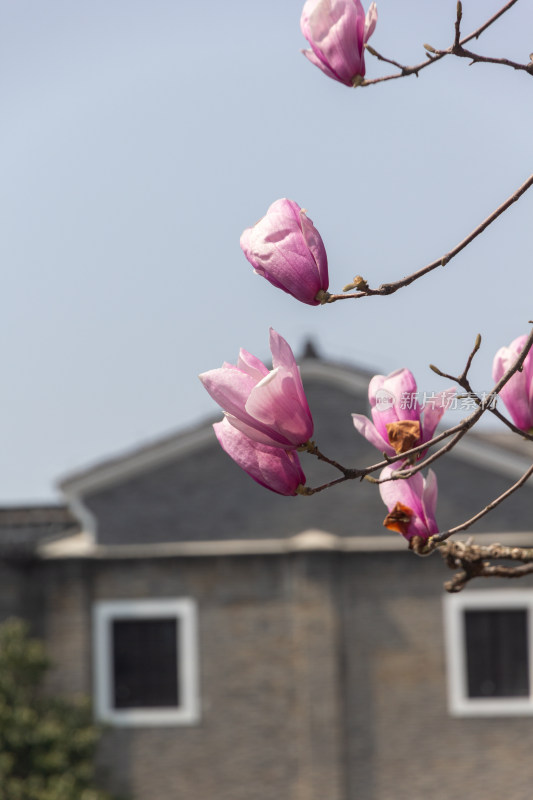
(246, 646)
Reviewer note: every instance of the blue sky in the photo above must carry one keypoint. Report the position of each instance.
(139, 139)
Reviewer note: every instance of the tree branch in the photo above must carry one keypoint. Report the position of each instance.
(474, 562)
(434, 55)
(459, 430)
(457, 49)
(391, 288)
(440, 537)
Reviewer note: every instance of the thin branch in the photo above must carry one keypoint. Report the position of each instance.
(311, 448)
(461, 52)
(518, 431)
(475, 562)
(390, 288)
(477, 33)
(457, 49)
(457, 432)
(464, 425)
(457, 40)
(435, 56)
(440, 537)
(353, 473)
(468, 551)
(463, 381)
(403, 474)
(308, 490)
(479, 570)
(405, 71)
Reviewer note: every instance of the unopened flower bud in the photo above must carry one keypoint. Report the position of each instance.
(337, 32)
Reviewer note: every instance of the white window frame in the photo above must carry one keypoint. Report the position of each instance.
(183, 610)
(459, 703)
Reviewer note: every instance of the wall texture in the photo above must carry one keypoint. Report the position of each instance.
(322, 676)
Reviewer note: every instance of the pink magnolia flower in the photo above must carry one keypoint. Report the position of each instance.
(268, 406)
(337, 31)
(286, 249)
(273, 468)
(411, 504)
(517, 394)
(399, 421)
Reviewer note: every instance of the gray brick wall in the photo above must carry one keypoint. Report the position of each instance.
(268, 685)
(322, 676)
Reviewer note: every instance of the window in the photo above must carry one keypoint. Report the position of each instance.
(489, 640)
(145, 662)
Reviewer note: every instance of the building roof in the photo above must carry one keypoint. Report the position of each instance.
(182, 491)
(22, 529)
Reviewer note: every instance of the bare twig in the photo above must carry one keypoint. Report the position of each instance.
(480, 570)
(476, 58)
(477, 33)
(518, 431)
(457, 40)
(311, 448)
(457, 432)
(457, 49)
(440, 537)
(435, 55)
(463, 381)
(466, 424)
(364, 473)
(468, 551)
(308, 490)
(390, 288)
(474, 561)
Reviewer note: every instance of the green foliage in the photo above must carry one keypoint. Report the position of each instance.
(47, 745)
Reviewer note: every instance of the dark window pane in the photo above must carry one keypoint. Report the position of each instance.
(497, 653)
(145, 663)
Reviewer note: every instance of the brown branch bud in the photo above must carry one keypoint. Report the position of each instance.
(357, 283)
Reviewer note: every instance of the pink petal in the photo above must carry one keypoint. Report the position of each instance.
(246, 246)
(259, 433)
(314, 59)
(370, 21)
(429, 501)
(275, 401)
(315, 244)
(393, 398)
(277, 248)
(229, 387)
(402, 385)
(336, 31)
(433, 411)
(251, 365)
(282, 356)
(517, 394)
(417, 494)
(408, 491)
(270, 467)
(506, 356)
(363, 426)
